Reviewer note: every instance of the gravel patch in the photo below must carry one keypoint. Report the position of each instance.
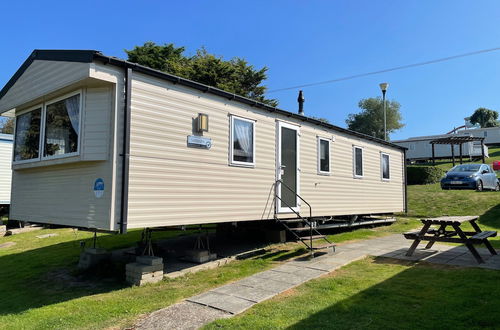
(184, 315)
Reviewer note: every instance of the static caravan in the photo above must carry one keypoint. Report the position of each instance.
(491, 135)
(419, 148)
(106, 144)
(5, 168)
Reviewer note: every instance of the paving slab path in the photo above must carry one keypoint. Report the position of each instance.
(236, 297)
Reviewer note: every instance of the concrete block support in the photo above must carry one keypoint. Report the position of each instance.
(92, 257)
(144, 270)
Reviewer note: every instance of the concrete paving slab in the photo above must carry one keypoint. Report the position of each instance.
(286, 268)
(326, 265)
(245, 292)
(224, 302)
(310, 273)
(289, 278)
(269, 285)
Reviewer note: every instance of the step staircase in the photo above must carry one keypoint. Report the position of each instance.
(304, 229)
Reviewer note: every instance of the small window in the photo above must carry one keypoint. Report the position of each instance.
(242, 144)
(412, 146)
(485, 133)
(27, 136)
(323, 156)
(62, 127)
(385, 166)
(358, 162)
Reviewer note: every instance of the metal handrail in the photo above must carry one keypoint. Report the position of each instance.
(298, 214)
(295, 193)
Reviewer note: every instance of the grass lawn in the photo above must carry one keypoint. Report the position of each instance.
(382, 294)
(34, 295)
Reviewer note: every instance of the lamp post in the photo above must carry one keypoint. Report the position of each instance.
(383, 88)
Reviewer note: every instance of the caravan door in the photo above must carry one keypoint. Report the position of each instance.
(288, 167)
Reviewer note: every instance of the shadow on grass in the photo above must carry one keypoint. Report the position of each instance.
(423, 296)
(42, 276)
(48, 275)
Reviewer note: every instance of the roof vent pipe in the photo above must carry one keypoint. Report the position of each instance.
(301, 100)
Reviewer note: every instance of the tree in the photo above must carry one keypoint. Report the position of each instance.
(370, 120)
(234, 75)
(485, 117)
(326, 121)
(7, 125)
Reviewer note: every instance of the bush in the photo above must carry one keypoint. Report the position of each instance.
(424, 174)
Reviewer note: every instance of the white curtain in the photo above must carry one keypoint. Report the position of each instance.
(73, 110)
(243, 134)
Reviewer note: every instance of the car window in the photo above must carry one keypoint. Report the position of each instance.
(466, 168)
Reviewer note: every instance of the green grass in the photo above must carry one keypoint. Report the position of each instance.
(34, 296)
(381, 294)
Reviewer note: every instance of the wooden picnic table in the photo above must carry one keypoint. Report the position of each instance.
(455, 235)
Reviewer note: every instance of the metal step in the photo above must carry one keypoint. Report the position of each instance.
(355, 224)
(302, 228)
(290, 220)
(307, 238)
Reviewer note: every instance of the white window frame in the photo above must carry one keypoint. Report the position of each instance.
(231, 142)
(320, 172)
(41, 142)
(356, 176)
(44, 117)
(22, 112)
(382, 154)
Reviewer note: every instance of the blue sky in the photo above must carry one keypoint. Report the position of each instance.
(300, 42)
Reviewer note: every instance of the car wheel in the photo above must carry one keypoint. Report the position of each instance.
(497, 187)
(479, 185)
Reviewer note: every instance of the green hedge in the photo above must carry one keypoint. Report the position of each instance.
(424, 174)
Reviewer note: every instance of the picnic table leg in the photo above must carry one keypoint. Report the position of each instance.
(431, 243)
(417, 241)
(467, 243)
(486, 243)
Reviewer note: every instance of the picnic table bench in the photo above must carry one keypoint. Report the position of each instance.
(456, 235)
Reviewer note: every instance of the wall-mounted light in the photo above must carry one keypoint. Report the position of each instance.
(202, 122)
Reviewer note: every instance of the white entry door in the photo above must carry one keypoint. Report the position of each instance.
(288, 167)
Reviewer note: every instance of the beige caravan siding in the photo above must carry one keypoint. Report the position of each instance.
(42, 78)
(63, 194)
(340, 192)
(171, 184)
(5, 170)
(97, 123)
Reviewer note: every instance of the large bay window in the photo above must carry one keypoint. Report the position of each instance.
(27, 141)
(242, 141)
(59, 122)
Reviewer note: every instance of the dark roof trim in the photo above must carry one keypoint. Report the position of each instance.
(88, 56)
(6, 137)
(83, 56)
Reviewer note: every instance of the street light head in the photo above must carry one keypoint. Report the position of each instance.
(383, 86)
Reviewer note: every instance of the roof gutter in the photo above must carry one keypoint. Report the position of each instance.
(126, 151)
